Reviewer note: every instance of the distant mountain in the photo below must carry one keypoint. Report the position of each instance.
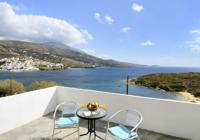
(140, 65)
(136, 65)
(115, 63)
(62, 45)
(54, 52)
(155, 66)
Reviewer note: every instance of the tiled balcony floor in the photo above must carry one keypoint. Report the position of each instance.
(42, 128)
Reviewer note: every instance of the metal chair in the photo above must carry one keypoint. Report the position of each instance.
(133, 118)
(68, 108)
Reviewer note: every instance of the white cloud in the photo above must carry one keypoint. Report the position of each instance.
(88, 51)
(2, 38)
(105, 56)
(147, 43)
(180, 46)
(75, 25)
(197, 40)
(19, 7)
(37, 28)
(99, 56)
(98, 17)
(137, 7)
(109, 20)
(195, 48)
(122, 51)
(125, 29)
(85, 32)
(15, 7)
(120, 40)
(195, 31)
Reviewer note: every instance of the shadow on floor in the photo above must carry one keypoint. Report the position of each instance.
(42, 129)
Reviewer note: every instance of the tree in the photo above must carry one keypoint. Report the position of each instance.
(5, 87)
(40, 85)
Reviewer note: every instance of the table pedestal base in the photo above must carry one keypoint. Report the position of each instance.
(91, 129)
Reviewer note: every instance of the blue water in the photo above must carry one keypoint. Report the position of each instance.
(103, 79)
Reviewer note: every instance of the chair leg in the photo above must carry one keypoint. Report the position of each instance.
(106, 135)
(53, 134)
(78, 133)
(138, 138)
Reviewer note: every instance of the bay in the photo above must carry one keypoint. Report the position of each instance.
(103, 79)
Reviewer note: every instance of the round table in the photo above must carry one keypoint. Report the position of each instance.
(91, 120)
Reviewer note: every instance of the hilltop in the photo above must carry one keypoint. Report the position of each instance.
(174, 82)
(55, 53)
(63, 45)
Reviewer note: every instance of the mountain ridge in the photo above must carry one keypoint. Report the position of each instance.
(62, 45)
(54, 53)
(140, 65)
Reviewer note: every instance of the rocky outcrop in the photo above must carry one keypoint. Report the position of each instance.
(173, 82)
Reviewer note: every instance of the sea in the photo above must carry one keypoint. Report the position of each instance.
(105, 79)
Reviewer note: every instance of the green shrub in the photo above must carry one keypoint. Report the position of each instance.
(197, 94)
(197, 86)
(189, 82)
(141, 81)
(154, 84)
(177, 87)
(5, 87)
(40, 85)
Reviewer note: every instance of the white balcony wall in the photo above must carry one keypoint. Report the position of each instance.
(180, 119)
(174, 118)
(20, 109)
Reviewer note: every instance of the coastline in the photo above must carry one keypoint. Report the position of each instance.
(164, 82)
(189, 97)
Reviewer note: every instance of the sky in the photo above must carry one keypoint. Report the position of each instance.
(156, 32)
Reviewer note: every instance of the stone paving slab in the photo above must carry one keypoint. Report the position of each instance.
(42, 129)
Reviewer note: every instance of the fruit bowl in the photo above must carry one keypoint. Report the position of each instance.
(92, 106)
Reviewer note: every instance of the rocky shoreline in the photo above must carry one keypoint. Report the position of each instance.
(134, 82)
(189, 97)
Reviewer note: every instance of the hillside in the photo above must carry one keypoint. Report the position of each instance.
(75, 64)
(52, 52)
(62, 45)
(136, 65)
(174, 82)
(114, 63)
(140, 65)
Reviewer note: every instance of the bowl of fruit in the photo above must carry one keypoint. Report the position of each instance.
(92, 106)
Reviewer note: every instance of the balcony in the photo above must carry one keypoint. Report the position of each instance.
(29, 115)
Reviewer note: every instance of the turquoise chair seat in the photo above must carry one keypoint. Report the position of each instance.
(121, 132)
(67, 121)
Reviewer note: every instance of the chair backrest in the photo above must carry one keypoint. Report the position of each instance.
(133, 117)
(68, 107)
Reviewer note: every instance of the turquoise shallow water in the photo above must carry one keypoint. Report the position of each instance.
(103, 79)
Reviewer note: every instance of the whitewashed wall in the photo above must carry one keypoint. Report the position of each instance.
(19, 109)
(174, 118)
